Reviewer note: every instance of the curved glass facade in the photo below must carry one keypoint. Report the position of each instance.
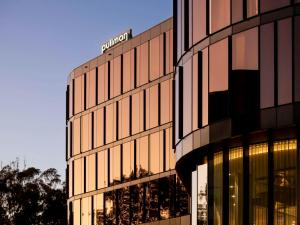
(119, 135)
(236, 122)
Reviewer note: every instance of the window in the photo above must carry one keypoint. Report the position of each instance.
(124, 118)
(137, 112)
(218, 66)
(102, 163)
(103, 83)
(115, 77)
(98, 209)
(179, 28)
(258, 184)
(236, 186)
(115, 165)
(79, 94)
(237, 11)
(90, 173)
(152, 107)
(196, 89)
(252, 8)
(267, 65)
(71, 98)
(156, 158)
(128, 161)
(285, 61)
(86, 132)
(86, 214)
(285, 182)
(199, 20)
(219, 14)
(245, 50)
(111, 207)
(124, 206)
(128, 71)
(110, 123)
(218, 188)
(99, 128)
(91, 88)
(152, 197)
(268, 5)
(70, 179)
(166, 101)
(194, 198)
(169, 52)
(170, 154)
(142, 155)
(202, 194)
(187, 97)
(76, 136)
(78, 176)
(143, 64)
(137, 198)
(77, 213)
(156, 57)
(297, 58)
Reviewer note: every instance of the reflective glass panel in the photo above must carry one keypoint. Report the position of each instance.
(219, 14)
(78, 176)
(137, 198)
(98, 209)
(128, 71)
(285, 66)
(156, 153)
(137, 112)
(79, 94)
(258, 184)
(165, 103)
(218, 188)
(252, 8)
(90, 173)
(245, 50)
(115, 165)
(76, 136)
(170, 154)
(236, 10)
(195, 92)
(268, 5)
(199, 20)
(202, 195)
(142, 155)
(86, 215)
(205, 86)
(152, 107)
(194, 197)
(86, 132)
(98, 128)
(102, 83)
(91, 88)
(236, 186)
(70, 179)
(218, 66)
(267, 65)
(285, 181)
(187, 97)
(124, 206)
(143, 64)
(169, 51)
(102, 169)
(156, 57)
(128, 161)
(111, 207)
(152, 203)
(124, 119)
(110, 123)
(77, 215)
(297, 58)
(115, 77)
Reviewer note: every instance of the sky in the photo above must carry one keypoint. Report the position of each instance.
(41, 41)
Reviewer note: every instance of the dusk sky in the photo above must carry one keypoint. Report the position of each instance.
(41, 41)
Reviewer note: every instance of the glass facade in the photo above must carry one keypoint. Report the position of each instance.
(120, 154)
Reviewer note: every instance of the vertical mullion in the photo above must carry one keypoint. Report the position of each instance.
(97, 88)
(200, 88)
(109, 80)
(73, 97)
(93, 126)
(84, 91)
(159, 104)
(180, 106)
(96, 172)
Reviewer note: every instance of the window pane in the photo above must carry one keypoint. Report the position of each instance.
(86, 132)
(236, 186)
(78, 175)
(142, 156)
(219, 14)
(124, 118)
(143, 64)
(103, 83)
(169, 51)
(258, 184)
(128, 71)
(199, 20)
(98, 128)
(137, 197)
(202, 194)
(91, 173)
(115, 165)
(152, 204)
(285, 61)
(170, 154)
(179, 28)
(156, 57)
(165, 103)
(124, 206)
(285, 180)
(137, 112)
(115, 77)
(102, 169)
(91, 88)
(71, 97)
(218, 188)
(110, 207)
(297, 58)
(182, 199)
(195, 89)
(245, 50)
(218, 66)
(152, 107)
(252, 8)
(194, 198)
(205, 87)
(267, 66)
(77, 215)
(167, 193)
(98, 210)
(76, 137)
(86, 215)
(237, 10)
(267, 5)
(128, 161)
(156, 153)
(79, 94)
(187, 97)
(110, 123)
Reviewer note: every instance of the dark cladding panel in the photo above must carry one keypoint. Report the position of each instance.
(297, 58)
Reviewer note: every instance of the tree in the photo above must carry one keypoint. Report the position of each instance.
(31, 197)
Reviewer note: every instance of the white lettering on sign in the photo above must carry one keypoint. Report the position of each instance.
(112, 42)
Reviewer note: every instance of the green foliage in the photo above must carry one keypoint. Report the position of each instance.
(31, 197)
